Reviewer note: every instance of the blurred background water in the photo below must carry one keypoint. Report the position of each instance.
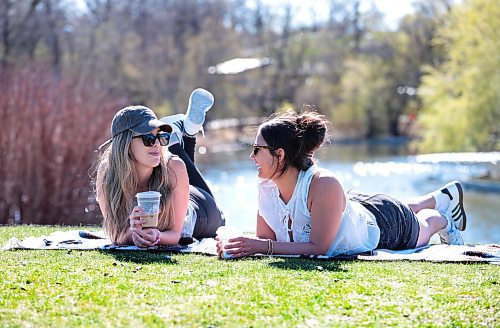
(369, 167)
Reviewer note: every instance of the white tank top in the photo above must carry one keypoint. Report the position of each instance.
(358, 231)
(189, 221)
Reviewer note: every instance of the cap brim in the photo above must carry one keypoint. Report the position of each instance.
(149, 126)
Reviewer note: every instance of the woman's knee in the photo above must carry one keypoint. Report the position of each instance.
(430, 221)
(426, 214)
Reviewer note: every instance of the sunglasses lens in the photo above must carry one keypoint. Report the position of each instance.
(163, 138)
(148, 139)
(256, 149)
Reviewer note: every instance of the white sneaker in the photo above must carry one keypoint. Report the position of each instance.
(455, 192)
(450, 236)
(200, 102)
(177, 123)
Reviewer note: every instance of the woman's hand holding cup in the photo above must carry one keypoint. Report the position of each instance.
(225, 236)
(136, 218)
(146, 237)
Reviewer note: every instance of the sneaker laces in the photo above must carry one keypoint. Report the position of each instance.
(450, 234)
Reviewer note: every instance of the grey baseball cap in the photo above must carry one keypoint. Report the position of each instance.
(138, 119)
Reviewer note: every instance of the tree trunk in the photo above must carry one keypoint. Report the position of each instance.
(5, 34)
(53, 37)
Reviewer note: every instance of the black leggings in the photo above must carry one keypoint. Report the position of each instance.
(208, 215)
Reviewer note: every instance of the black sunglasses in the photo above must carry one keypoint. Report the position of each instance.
(149, 139)
(256, 148)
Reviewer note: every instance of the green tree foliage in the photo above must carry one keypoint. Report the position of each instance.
(362, 101)
(462, 96)
(366, 88)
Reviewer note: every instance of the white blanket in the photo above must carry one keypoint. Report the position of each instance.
(435, 253)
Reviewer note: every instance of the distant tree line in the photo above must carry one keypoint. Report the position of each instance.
(155, 52)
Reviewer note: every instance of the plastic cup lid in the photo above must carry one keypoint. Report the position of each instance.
(148, 194)
(226, 231)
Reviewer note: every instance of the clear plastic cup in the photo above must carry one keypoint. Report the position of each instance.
(150, 201)
(225, 233)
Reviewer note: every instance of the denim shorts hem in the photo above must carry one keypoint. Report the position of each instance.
(399, 227)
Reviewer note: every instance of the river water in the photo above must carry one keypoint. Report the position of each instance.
(368, 167)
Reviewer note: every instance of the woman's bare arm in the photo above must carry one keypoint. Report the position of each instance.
(264, 231)
(327, 203)
(180, 199)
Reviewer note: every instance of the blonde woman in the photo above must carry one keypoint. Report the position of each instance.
(150, 154)
(304, 209)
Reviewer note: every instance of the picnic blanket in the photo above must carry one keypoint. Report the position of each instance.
(85, 240)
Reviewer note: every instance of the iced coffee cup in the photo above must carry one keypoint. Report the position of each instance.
(226, 233)
(150, 201)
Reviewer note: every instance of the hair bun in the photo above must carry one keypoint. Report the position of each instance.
(298, 134)
(312, 130)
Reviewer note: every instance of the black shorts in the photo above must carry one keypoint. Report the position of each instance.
(398, 224)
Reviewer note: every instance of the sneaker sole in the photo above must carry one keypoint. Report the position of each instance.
(446, 241)
(199, 103)
(443, 241)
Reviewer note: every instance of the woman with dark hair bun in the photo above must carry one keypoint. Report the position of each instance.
(304, 209)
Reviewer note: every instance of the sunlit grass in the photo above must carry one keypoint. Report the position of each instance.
(93, 288)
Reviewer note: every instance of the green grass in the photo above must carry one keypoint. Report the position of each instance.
(137, 289)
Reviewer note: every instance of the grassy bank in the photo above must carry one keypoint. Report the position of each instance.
(92, 288)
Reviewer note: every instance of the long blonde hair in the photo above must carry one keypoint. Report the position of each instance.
(119, 184)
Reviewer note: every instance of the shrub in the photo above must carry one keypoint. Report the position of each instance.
(50, 128)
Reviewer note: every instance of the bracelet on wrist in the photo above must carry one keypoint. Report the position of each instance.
(270, 247)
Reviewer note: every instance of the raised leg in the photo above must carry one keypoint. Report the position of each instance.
(195, 177)
(448, 198)
(430, 222)
(420, 203)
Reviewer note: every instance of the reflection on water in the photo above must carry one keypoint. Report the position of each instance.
(371, 168)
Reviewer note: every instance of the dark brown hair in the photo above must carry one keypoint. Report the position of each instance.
(298, 134)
